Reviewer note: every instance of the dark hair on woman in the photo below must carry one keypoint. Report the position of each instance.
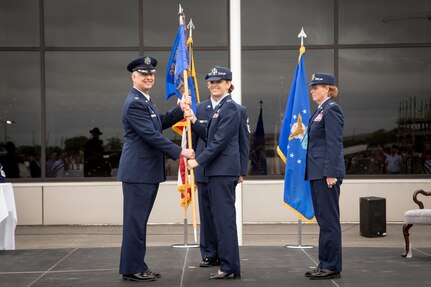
(231, 88)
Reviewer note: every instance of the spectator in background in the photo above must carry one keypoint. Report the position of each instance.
(33, 165)
(394, 160)
(94, 163)
(55, 165)
(10, 161)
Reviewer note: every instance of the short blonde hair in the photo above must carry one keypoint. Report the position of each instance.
(332, 91)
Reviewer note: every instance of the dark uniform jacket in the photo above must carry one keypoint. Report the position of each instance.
(325, 143)
(221, 156)
(142, 158)
(204, 111)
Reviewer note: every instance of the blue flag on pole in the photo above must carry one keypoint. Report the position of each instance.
(175, 86)
(292, 145)
(178, 63)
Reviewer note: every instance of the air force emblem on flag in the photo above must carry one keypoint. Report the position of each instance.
(298, 129)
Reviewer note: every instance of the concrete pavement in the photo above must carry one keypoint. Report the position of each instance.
(79, 236)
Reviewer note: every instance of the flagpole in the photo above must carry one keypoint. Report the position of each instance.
(190, 26)
(192, 72)
(301, 35)
(189, 144)
(186, 175)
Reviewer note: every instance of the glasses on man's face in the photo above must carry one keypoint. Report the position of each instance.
(144, 74)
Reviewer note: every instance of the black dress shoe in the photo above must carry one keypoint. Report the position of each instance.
(309, 273)
(223, 275)
(156, 274)
(210, 262)
(144, 276)
(324, 274)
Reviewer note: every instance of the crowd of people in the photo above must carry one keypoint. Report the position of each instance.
(391, 159)
(91, 160)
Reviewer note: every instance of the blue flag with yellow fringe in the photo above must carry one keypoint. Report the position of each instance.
(178, 63)
(182, 60)
(292, 145)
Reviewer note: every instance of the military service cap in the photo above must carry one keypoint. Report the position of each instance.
(219, 73)
(145, 64)
(322, 79)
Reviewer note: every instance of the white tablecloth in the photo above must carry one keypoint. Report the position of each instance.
(8, 218)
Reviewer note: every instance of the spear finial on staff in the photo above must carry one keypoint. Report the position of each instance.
(181, 14)
(301, 35)
(191, 27)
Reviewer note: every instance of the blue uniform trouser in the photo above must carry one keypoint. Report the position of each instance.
(208, 235)
(222, 196)
(138, 200)
(327, 212)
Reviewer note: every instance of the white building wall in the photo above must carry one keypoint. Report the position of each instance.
(101, 202)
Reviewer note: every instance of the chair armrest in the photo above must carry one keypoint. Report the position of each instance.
(415, 197)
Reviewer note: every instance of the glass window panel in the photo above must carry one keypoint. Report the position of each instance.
(278, 22)
(85, 90)
(161, 22)
(267, 76)
(73, 109)
(20, 109)
(19, 23)
(91, 23)
(385, 96)
(369, 21)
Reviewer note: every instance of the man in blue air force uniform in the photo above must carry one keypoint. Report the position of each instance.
(208, 235)
(325, 170)
(222, 167)
(142, 164)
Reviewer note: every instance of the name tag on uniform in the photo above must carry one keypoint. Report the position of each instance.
(318, 118)
(203, 121)
(153, 115)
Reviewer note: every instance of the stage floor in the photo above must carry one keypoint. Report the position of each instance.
(261, 266)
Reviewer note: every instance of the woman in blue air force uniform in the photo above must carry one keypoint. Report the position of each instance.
(325, 171)
(221, 162)
(208, 234)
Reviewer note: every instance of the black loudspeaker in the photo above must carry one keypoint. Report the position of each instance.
(373, 216)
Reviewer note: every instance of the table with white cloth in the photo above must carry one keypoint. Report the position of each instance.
(8, 218)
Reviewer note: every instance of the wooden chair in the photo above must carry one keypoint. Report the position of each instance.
(415, 216)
